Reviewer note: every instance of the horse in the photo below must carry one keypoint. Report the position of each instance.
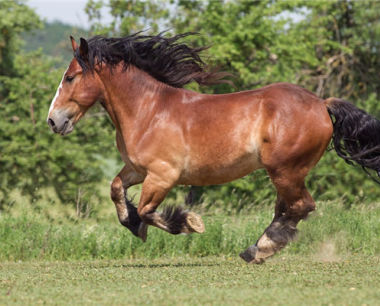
(169, 136)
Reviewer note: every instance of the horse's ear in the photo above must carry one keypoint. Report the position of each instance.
(83, 48)
(73, 43)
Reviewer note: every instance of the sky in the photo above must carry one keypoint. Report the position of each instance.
(72, 12)
(67, 11)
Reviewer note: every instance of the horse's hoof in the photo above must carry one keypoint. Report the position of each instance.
(195, 223)
(253, 255)
(142, 231)
(264, 248)
(249, 255)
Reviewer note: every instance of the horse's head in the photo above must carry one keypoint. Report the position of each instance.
(76, 93)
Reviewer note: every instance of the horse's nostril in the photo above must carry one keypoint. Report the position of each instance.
(51, 122)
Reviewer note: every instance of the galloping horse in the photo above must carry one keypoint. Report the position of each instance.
(168, 135)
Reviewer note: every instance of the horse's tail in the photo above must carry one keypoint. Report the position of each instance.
(356, 134)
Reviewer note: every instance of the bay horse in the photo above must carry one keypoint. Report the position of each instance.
(168, 135)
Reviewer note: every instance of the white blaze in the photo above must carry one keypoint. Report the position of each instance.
(56, 94)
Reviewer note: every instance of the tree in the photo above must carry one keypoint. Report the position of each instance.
(15, 18)
(129, 16)
(344, 39)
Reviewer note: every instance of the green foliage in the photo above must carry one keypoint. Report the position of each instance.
(343, 38)
(251, 39)
(53, 38)
(15, 18)
(129, 16)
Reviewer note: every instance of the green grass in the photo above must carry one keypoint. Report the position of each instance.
(47, 256)
(284, 280)
(332, 230)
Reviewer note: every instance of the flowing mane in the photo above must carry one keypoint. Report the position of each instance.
(164, 58)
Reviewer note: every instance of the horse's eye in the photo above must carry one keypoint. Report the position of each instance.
(69, 78)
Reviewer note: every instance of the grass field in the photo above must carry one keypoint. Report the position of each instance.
(332, 229)
(284, 280)
(57, 259)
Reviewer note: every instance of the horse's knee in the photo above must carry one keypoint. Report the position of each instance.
(116, 189)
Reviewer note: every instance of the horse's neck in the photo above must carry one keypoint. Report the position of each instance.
(131, 96)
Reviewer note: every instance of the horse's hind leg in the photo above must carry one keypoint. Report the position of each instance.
(126, 211)
(295, 143)
(293, 204)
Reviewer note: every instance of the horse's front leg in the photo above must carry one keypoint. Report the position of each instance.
(126, 211)
(174, 220)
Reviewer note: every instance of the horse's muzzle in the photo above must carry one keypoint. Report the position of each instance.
(60, 125)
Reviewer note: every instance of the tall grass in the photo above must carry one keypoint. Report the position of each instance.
(32, 237)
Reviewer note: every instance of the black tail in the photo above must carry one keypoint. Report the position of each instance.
(356, 136)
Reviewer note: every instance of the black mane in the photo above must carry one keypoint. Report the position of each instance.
(166, 59)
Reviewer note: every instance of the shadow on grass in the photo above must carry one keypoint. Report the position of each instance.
(172, 265)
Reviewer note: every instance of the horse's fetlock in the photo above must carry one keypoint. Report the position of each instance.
(281, 232)
(145, 215)
(116, 189)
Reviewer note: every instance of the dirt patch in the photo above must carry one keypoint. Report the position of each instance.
(327, 252)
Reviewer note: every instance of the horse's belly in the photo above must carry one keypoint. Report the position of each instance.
(220, 172)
